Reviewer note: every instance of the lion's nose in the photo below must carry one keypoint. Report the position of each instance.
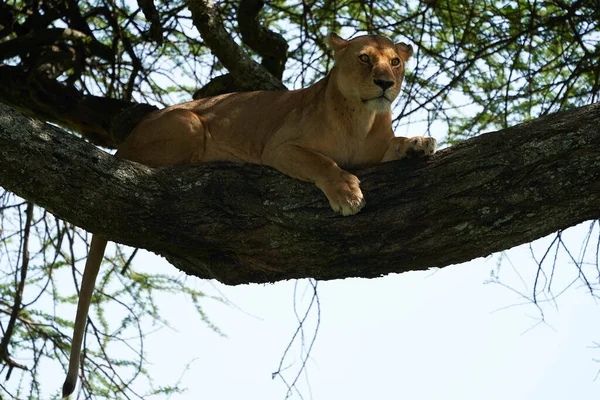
(383, 84)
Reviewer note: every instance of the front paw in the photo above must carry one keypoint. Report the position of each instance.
(344, 194)
(420, 146)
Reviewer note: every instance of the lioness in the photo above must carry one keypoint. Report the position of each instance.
(342, 121)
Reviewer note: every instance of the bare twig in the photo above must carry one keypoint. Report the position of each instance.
(4, 344)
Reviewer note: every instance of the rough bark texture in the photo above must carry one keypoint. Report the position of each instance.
(249, 223)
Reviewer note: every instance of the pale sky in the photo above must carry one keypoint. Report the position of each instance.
(427, 335)
(443, 334)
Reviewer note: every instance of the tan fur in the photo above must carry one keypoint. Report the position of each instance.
(342, 121)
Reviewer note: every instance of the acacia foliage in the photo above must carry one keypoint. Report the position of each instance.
(85, 64)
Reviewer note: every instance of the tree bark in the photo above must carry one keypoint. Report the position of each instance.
(242, 223)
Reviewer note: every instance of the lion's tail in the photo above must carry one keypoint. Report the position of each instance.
(92, 266)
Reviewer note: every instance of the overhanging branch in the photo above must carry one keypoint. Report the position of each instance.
(246, 73)
(33, 41)
(101, 120)
(243, 223)
(271, 46)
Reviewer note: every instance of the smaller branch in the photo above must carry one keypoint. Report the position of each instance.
(8, 20)
(304, 353)
(71, 9)
(151, 14)
(46, 37)
(121, 34)
(4, 354)
(271, 46)
(246, 72)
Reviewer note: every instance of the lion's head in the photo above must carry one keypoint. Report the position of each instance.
(370, 69)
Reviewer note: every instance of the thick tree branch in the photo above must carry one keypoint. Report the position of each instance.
(243, 223)
(246, 73)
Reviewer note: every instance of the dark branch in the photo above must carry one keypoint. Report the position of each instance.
(151, 14)
(9, 21)
(103, 121)
(35, 40)
(16, 309)
(243, 223)
(246, 73)
(218, 85)
(271, 46)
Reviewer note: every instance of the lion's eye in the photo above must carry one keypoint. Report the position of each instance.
(364, 58)
(395, 61)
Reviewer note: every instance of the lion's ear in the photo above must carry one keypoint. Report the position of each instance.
(405, 51)
(336, 42)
